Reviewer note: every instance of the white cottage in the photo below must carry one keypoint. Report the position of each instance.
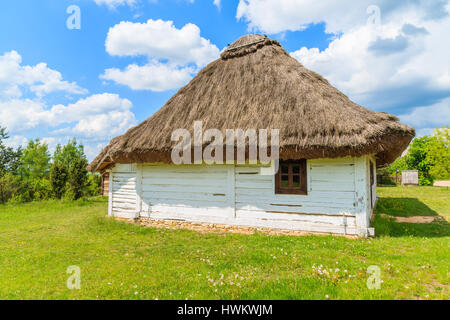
(329, 150)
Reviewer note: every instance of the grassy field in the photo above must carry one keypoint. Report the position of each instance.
(39, 241)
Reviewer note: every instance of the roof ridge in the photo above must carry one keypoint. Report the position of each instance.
(246, 45)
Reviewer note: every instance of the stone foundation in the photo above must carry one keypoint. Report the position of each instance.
(217, 228)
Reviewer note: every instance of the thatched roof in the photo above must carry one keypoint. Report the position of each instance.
(256, 84)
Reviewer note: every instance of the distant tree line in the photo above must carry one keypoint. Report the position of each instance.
(430, 155)
(32, 174)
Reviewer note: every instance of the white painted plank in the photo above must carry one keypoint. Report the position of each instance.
(361, 194)
(200, 196)
(182, 188)
(336, 220)
(110, 195)
(319, 209)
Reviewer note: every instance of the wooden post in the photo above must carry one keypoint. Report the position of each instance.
(110, 193)
(138, 190)
(361, 195)
(232, 190)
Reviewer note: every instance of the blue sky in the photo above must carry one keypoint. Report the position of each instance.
(130, 56)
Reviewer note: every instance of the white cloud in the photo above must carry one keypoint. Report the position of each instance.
(106, 125)
(436, 115)
(112, 4)
(217, 3)
(93, 105)
(396, 63)
(154, 76)
(275, 16)
(98, 116)
(158, 39)
(377, 70)
(16, 141)
(173, 54)
(15, 79)
(92, 150)
(25, 112)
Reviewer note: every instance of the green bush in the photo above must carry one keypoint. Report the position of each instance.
(10, 186)
(78, 178)
(58, 179)
(94, 185)
(42, 189)
(430, 155)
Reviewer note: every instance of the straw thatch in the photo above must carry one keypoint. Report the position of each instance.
(257, 85)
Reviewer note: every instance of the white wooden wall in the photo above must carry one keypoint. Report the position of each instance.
(186, 192)
(374, 186)
(329, 205)
(123, 193)
(337, 201)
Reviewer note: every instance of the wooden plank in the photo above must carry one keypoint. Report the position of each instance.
(182, 188)
(232, 190)
(138, 190)
(218, 201)
(332, 186)
(181, 182)
(110, 199)
(361, 194)
(124, 205)
(125, 168)
(190, 212)
(301, 202)
(331, 219)
(201, 196)
(253, 185)
(318, 209)
(185, 169)
(183, 175)
(263, 223)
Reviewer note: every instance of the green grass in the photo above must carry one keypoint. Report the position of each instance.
(39, 241)
(410, 202)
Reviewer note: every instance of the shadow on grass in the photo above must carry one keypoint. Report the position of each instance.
(404, 207)
(407, 207)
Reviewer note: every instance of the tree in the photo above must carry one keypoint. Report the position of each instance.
(35, 161)
(68, 153)
(430, 155)
(9, 158)
(78, 178)
(58, 179)
(69, 170)
(438, 153)
(399, 164)
(10, 186)
(417, 160)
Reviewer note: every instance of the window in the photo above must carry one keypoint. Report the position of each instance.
(291, 177)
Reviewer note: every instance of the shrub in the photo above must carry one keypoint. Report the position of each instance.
(78, 178)
(10, 186)
(94, 185)
(42, 189)
(58, 179)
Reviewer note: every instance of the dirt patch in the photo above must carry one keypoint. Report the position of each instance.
(217, 228)
(415, 219)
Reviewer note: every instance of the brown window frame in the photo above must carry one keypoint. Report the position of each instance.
(303, 188)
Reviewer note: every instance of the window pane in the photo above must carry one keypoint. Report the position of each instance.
(285, 169)
(296, 169)
(284, 181)
(296, 181)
